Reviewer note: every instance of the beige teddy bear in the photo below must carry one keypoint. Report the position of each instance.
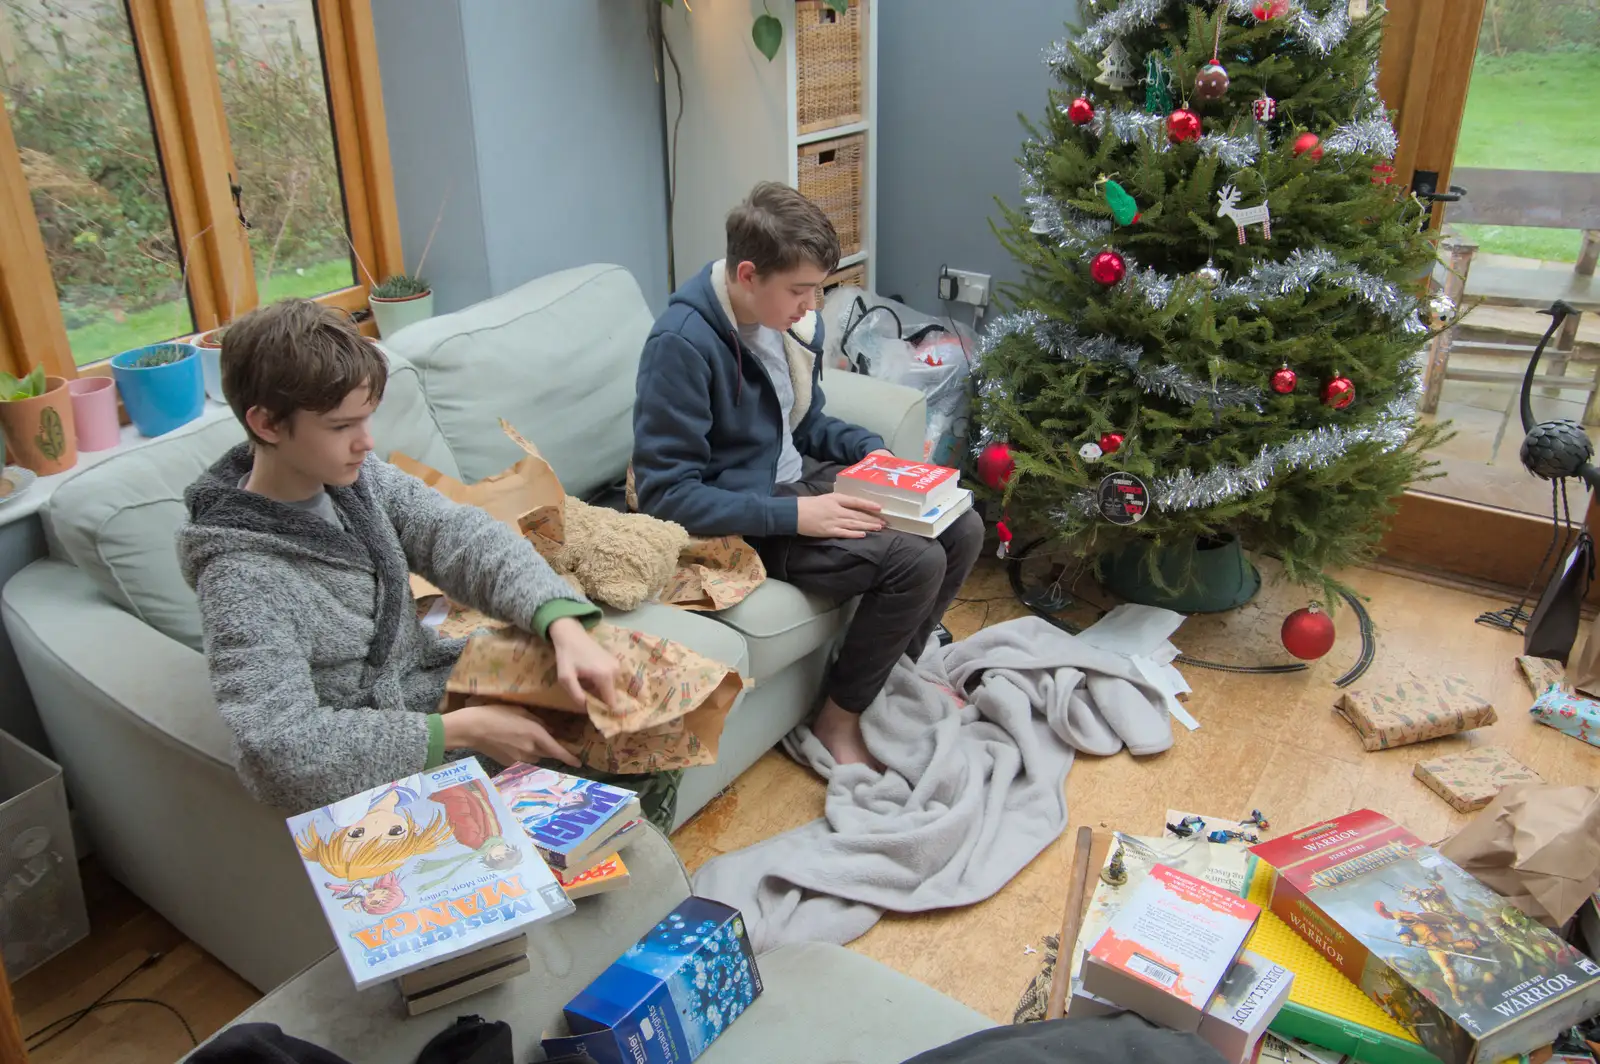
(617, 559)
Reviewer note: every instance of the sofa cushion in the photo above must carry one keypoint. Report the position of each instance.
(782, 624)
(118, 521)
(404, 422)
(556, 358)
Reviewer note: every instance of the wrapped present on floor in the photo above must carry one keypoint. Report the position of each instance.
(1471, 780)
(1412, 709)
(1541, 673)
(1572, 713)
(670, 702)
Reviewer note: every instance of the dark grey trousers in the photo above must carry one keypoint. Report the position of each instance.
(906, 583)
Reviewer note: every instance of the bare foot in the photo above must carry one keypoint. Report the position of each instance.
(840, 731)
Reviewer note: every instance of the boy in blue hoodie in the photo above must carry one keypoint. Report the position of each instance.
(730, 438)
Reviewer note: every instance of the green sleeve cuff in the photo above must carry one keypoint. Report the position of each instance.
(435, 741)
(555, 609)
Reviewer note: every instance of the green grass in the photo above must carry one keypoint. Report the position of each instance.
(1531, 111)
(100, 340)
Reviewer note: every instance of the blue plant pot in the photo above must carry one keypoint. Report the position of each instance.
(160, 398)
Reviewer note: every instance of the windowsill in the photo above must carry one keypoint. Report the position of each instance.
(39, 492)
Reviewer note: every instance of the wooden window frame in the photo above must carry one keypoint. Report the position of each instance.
(173, 41)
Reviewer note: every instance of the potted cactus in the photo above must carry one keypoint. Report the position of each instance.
(162, 385)
(400, 300)
(36, 418)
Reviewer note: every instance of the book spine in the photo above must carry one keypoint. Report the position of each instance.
(1324, 935)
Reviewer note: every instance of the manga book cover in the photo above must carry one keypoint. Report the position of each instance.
(421, 870)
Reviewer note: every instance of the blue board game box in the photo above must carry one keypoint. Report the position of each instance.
(670, 996)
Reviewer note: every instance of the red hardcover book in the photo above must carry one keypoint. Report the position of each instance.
(1474, 977)
(901, 486)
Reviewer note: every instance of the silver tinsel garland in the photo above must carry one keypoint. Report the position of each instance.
(1302, 269)
(1236, 151)
(1322, 35)
(1372, 135)
(1066, 343)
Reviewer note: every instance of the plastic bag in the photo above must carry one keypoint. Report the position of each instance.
(891, 341)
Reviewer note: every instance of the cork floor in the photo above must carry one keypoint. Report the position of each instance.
(1265, 742)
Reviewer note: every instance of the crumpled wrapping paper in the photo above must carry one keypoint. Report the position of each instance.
(710, 574)
(1538, 844)
(671, 703)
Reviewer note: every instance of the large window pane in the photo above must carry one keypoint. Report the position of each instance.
(269, 58)
(77, 106)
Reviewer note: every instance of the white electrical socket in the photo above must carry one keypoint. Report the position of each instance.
(972, 287)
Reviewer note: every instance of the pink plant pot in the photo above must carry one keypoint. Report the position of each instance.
(94, 412)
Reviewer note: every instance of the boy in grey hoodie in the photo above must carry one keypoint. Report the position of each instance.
(299, 545)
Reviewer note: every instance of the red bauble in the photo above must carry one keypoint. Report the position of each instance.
(1308, 633)
(1081, 111)
(1183, 125)
(1383, 174)
(1309, 142)
(1269, 9)
(1111, 442)
(1339, 392)
(1108, 268)
(1284, 380)
(995, 465)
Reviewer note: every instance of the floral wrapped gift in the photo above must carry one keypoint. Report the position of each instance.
(1470, 781)
(1413, 709)
(1579, 717)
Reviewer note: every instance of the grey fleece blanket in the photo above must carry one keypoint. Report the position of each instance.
(977, 738)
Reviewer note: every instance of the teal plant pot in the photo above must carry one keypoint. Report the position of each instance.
(392, 315)
(1208, 575)
(160, 398)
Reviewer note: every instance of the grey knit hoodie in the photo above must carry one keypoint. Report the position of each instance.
(318, 662)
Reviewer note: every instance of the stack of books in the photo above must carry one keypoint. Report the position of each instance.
(578, 826)
(427, 881)
(916, 497)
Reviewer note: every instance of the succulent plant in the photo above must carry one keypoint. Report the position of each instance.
(400, 286)
(15, 388)
(162, 355)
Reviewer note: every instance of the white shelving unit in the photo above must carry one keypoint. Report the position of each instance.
(741, 124)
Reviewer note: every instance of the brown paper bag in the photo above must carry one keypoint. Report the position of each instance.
(714, 574)
(526, 487)
(1538, 844)
(670, 705)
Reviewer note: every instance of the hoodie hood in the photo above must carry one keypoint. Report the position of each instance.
(225, 519)
(707, 295)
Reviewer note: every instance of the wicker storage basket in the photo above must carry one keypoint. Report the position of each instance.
(828, 67)
(833, 176)
(851, 275)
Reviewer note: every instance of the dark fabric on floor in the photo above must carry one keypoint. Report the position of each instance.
(261, 1043)
(1123, 1039)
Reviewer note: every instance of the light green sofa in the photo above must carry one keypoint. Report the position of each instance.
(108, 634)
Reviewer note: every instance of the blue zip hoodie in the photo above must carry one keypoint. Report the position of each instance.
(706, 419)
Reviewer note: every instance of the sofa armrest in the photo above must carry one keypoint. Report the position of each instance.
(895, 412)
(74, 642)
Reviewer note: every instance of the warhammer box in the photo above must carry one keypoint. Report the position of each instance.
(1473, 977)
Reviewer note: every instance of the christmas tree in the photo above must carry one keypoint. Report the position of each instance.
(1223, 306)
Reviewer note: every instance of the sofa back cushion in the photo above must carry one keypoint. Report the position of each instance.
(556, 358)
(118, 520)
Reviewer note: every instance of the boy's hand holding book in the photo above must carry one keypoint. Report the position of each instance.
(837, 516)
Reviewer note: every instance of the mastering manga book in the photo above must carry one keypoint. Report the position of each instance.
(573, 821)
(422, 870)
(1474, 977)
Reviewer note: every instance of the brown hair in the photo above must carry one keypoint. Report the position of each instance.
(296, 355)
(777, 229)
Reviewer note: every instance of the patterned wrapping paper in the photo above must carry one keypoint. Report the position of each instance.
(1541, 673)
(1413, 709)
(671, 703)
(714, 574)
(1471, 780)
(1579, 717)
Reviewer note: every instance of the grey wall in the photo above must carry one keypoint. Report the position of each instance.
(427, 105)
(952, 77)
(544, 119)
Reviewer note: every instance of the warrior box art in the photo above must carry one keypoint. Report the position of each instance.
(1472, 976)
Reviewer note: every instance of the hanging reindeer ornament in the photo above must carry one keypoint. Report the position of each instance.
(1261, 214)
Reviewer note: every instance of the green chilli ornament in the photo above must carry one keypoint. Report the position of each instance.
(1123, 207)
